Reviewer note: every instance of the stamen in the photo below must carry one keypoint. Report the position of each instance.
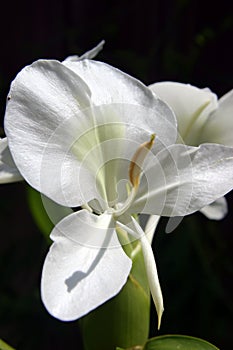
(134, 173)
(87, 207)
(137, 161)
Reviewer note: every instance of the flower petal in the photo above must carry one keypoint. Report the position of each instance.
(183, 179)
(8, 170)
(219, 127)
(85, 266)
(109, 85)
(150, 228)
(41, 124)
(191, 106)
(216, 210)
(89, 54)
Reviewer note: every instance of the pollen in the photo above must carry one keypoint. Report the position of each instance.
(135, 167)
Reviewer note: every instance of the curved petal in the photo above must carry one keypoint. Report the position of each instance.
(42, 124)
(216, 210)
(182, 179)
(85, 266)
(191, 106)
(150, 228)
(89, 54)
(109, 85)
(136, 231)
(8, 170)
(219, 127)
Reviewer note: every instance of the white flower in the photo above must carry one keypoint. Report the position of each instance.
(85, 134)
(202, 118)
(8, 170)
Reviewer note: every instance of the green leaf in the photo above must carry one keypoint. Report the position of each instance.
(39, 213)
(45, 212)
(181, 342)
(5, 346)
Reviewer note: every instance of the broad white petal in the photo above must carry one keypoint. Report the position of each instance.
(109, 85)
(216, 210)
(219, 126)
(85, 266)
(8, 170)
(42, 123)
(89, 54)
(183, 179)
(191, 106)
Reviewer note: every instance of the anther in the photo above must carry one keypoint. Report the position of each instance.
(135, 167)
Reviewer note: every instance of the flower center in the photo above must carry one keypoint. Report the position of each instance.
(135, 170)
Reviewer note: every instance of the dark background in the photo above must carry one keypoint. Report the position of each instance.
(184, 40)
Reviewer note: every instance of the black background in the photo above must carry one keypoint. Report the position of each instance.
(185, 40)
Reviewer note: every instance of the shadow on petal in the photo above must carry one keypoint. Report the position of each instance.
(72, 281)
